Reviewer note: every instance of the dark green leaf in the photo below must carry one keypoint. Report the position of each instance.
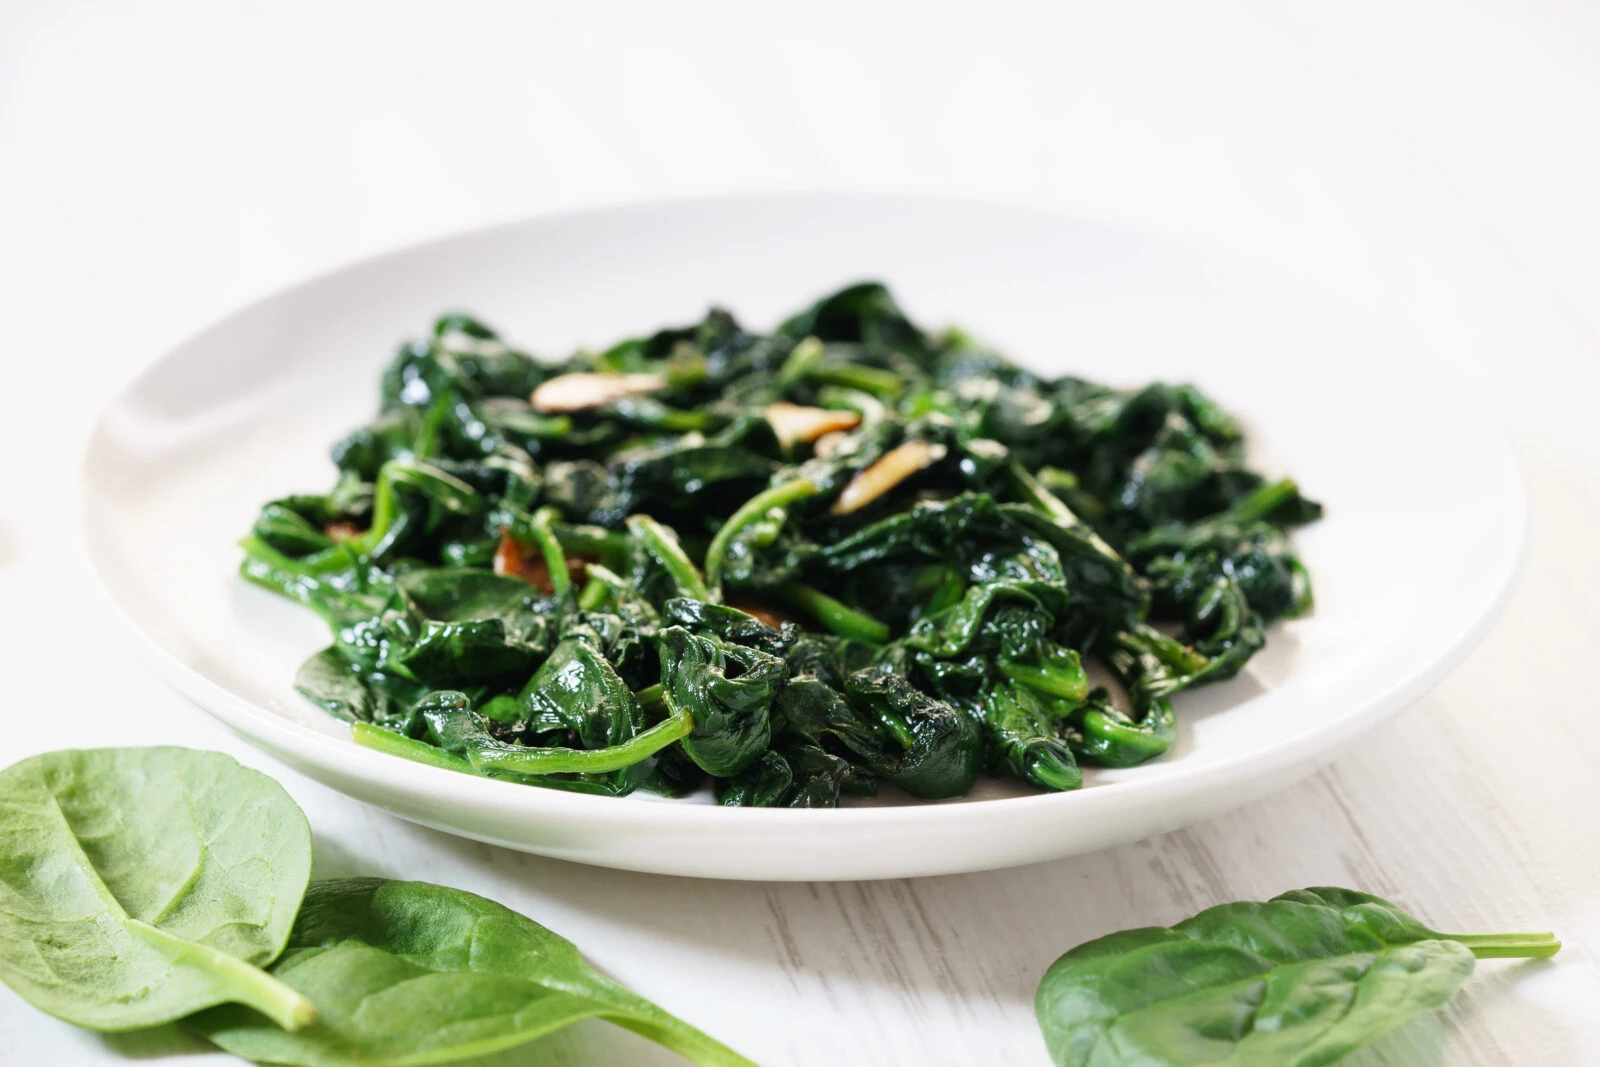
(412, 973)
(1298, 981)
(727, 689)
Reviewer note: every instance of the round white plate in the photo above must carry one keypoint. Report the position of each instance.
(1420, 546)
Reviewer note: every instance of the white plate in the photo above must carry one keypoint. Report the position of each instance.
(1422, 540)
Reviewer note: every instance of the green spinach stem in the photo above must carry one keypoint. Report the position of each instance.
(594, 595)
(602, 581)
(1507, 946)
(550, 546)
(841, 618)
(595, 541)
(879, 383)
(665, 550)
(532, 762)
(1172, 652)
(802, 358)
(1033, 491)
(779, 496)
(543, 761)
(247, 984)
(669, 1033)
(367, 735)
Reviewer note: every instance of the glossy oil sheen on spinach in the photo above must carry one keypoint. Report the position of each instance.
(139, 885)
(412, 973)
(1300, 980)
(790, 565)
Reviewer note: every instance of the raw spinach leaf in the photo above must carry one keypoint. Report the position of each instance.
(138, 885)
(412, 973)
(1298, 981)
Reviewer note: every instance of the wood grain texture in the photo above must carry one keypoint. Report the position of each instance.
(1432, 165)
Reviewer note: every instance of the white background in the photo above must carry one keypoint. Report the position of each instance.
(1435, 164)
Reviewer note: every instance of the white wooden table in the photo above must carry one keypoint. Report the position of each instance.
(1435, 164)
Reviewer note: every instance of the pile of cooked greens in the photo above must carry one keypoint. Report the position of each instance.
(796, 564)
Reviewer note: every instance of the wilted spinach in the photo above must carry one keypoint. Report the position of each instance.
(408, 972)
(1300, 980)
(802, 563)
(138, 885)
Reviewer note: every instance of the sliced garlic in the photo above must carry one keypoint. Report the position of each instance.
(889, 471)
(828, 444)
(793, 422)
(581, 391)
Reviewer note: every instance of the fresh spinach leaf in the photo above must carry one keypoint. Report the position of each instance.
(1298, 981)
(412, 973)
(139, 885)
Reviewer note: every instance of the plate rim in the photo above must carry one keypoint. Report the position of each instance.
(256, 724)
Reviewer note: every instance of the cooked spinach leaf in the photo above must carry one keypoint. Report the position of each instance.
(412, 973)
(591, 574)
(138, 885)
(1300, 980)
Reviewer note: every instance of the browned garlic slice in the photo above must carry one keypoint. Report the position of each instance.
(889, 471)
(583, 390)
(828, 444)
(793, 422)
